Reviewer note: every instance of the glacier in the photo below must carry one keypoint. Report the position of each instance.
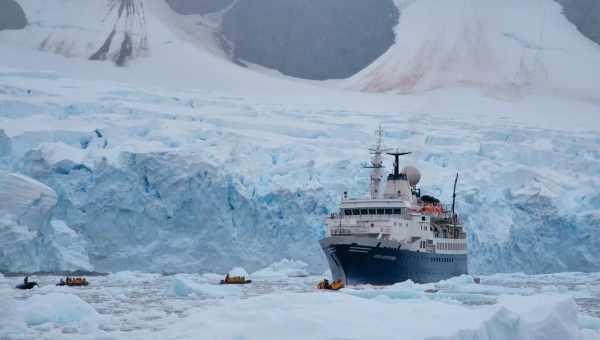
(31, 241)
(167, 182)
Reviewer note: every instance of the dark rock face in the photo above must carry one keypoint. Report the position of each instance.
(198, 6)
(585, 14)
(129, 14)
(314, 39)
(12, 16)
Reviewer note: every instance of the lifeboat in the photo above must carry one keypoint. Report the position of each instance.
(28, 285)
(74, 282)
(235, 280)
(432, 209)
(336, 285)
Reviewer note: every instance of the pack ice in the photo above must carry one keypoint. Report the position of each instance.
(134, 305)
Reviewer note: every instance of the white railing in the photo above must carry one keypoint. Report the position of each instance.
(353, 230)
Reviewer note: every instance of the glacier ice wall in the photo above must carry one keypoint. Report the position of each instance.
(162, 212)
(188, 181)
(29, 240)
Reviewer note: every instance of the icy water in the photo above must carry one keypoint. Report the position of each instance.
(139, 305)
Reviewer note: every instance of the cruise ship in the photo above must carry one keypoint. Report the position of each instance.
(395, 234)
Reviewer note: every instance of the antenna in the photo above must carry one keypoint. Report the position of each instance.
(396, 156)
(454, 199)
(376, 163)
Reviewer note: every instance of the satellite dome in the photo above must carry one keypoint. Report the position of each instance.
(413, 174)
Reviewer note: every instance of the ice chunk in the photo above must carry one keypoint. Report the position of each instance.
(186, 285)
(589, 322)
(283, 269)
(59, 309)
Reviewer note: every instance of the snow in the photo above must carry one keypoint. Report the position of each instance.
(121, 306)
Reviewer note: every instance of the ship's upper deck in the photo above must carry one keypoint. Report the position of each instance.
(374, 203)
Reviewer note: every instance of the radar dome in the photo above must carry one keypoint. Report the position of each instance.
(413, 174)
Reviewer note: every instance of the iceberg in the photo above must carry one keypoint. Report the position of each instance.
(183, 285)
(59, 309)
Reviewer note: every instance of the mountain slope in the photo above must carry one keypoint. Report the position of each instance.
(503, 46)
(11, 15)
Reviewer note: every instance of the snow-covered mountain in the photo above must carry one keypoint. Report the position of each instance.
(182, 160)
(506, 47)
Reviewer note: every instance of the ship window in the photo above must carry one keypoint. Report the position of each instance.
(348, 212)
(355, 212)
(388, 211)
(372, 211)
(363, 212)
(379, 211)
(397, 211)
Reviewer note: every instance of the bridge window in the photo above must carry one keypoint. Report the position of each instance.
(355, 212)
(388, 211)
(348, 212)
(372, 211)
(364, 212)
(397, 211)
(379, 211)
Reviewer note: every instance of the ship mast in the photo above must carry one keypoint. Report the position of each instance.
(376, 164)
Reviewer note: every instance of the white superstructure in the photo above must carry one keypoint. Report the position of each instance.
(400, 213)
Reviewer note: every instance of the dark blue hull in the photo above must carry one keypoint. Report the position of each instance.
(361, 260)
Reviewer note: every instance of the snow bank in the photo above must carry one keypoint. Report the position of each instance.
(59, 309)
(183, 285)
(282, 269)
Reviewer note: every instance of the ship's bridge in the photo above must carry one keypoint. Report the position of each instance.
(357, 207)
